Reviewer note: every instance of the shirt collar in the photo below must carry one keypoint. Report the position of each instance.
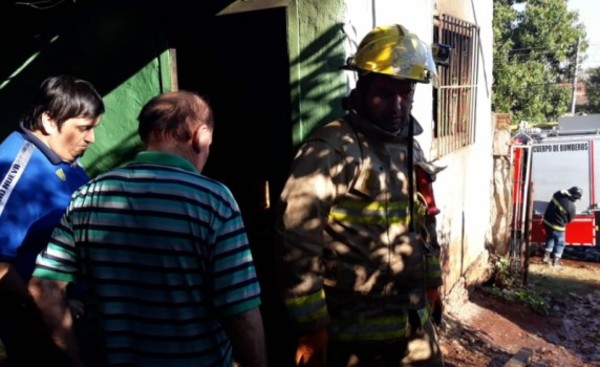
(166, 159)
(49, 153)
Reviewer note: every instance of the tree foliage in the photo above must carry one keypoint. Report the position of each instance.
(592, 86)
(535, 48)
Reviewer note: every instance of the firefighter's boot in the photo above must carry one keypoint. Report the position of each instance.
(425, 188)
(547, 258)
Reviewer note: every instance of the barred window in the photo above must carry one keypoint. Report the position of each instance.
(455, 95)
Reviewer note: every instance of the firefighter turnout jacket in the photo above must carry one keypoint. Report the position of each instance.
(560, 211)
(349, 261)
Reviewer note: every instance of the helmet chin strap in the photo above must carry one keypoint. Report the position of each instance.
(410, 169)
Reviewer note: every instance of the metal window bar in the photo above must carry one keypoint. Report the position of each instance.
(455, 96)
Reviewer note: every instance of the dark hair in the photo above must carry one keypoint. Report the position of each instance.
(172, 115)
(63, 97)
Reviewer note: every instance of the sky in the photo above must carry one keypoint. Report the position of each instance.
(588, 15)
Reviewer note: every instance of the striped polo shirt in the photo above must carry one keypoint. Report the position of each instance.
(163, 254)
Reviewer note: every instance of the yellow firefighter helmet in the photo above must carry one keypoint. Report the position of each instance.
(392, 50)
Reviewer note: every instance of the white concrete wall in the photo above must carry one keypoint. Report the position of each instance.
(464, 189)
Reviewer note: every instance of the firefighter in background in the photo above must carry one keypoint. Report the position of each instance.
(360, 273)
(560, 211)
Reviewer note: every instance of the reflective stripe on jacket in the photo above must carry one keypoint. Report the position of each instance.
(560, 211)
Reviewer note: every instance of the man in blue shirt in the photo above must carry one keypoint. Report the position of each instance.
(39, 170)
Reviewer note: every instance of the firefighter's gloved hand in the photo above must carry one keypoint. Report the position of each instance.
(312, 349)
(434, 298)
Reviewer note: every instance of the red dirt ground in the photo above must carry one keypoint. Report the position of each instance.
(488, 330)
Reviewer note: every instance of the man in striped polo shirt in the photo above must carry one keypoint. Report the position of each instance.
(163, 253)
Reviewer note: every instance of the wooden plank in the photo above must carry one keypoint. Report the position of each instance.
(241, 6)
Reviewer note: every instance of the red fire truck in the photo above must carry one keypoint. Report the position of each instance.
(551, 160)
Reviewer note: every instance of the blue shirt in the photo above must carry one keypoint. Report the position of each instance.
(35, 189)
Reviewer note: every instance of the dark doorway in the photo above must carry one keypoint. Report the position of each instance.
(240, 63)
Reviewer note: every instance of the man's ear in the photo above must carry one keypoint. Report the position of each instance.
(196, 136)
(49, 124)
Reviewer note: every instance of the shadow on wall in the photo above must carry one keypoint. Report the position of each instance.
(320, 83)
(121, 153)
(103, 42)
(107, 42)
(444, 238)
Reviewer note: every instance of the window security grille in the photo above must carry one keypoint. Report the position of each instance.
(455, 95)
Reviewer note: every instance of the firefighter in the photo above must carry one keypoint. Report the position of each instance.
(559, 212)
(359, 260)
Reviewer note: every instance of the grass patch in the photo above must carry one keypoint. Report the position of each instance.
(546, 285)
(508, 284)
(564, 281)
